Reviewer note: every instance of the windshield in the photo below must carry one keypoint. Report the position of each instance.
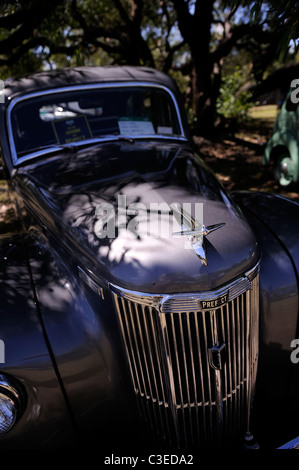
(53, 119)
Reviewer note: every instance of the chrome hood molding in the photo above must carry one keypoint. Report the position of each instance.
(192, 301)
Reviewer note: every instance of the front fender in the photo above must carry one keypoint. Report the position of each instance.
(282, 140)
(44, 420)
(275, 221)
(83, 332)
(26, 359)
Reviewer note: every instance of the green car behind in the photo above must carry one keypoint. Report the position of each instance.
(282, 148)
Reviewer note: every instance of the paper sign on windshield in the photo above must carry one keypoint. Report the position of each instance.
(130, 126)
(72, 129)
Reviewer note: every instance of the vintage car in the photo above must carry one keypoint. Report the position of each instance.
(143, 308)
(282, 149)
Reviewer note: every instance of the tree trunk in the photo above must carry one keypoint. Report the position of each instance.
(206, 83)
(196, 31)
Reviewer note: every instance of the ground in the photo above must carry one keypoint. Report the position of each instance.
(236, 159)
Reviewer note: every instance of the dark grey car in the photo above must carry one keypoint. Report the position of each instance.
(142, 306)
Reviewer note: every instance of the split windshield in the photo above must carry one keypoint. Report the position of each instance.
(85, 114)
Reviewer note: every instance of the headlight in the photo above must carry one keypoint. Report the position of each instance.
(9, 405)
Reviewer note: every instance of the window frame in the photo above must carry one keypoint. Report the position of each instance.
(32, 155)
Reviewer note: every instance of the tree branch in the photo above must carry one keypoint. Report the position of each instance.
(184, 18)
(137, 12)
(237, 33)
(28, 21)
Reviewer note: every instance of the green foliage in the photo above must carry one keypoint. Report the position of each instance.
(185, 38)
(234, 101)
(27, 63)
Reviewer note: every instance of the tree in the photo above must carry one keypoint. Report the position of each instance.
(190, 39)
(19, 24)
(237, 28)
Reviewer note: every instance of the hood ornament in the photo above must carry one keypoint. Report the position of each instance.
(194, 230)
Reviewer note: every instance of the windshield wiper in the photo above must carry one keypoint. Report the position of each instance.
(123, 138)
(73, 147)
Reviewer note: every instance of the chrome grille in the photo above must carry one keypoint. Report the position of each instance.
(184, 396)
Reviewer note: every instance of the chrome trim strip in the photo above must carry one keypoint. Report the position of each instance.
(172, 303)
(16, 161)
(90, 282)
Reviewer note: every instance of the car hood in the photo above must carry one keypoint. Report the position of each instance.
(69, 194)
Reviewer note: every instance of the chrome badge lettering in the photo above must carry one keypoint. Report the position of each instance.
(215, 303)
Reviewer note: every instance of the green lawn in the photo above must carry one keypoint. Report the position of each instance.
(264, 113)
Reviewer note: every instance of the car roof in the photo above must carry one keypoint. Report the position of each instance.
(72, 76)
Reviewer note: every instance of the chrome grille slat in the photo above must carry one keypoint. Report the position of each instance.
(202, 422)
(169, 374)
(142, 387)
(235, 379)
(196, 397)
(225, 372)
(186, 375)
(163, 404)
(177, 370)
(146, 355)
(184, 399)
(208, 381)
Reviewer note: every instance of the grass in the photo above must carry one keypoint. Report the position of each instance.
(3, 192)
(264, 113)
